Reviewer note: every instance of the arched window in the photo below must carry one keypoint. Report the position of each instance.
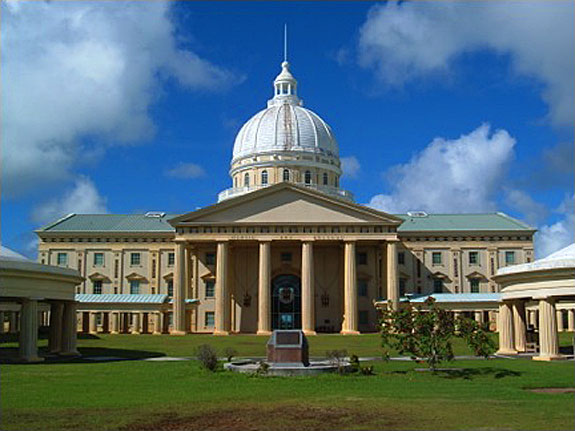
(246, 180)
(336, 181)
(235, 181)
(286, 175)
(325, 178)
(264, 177)
(307, 177)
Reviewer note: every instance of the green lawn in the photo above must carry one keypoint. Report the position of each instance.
(139, 395)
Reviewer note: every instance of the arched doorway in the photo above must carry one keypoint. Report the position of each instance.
(286, 302)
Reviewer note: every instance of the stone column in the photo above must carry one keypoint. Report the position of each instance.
(179, 300)
(478, 315)
(519, 326)
(114, 322)
(222, 320)
(392, 283)
(93, 323)
(158, 323)
(505, 327)
(28, 349)
(548, 337)
(56, 321)
(383, 271)
(349, 325)
(571, 320)
(264, 287)
(13, 322)
(136, 322)
(307, 289)
(559, 316)
(69, 330)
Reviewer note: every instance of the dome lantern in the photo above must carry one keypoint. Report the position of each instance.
(285, 88)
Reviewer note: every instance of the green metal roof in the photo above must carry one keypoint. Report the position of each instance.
(429, 223)
(110, 223)
(461, 222)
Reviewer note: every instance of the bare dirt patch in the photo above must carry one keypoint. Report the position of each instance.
(553, 390)
(289, 417)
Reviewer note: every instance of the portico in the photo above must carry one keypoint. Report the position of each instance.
(549, 285)
(292, 240)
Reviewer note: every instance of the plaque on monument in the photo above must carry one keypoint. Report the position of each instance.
(288, 347)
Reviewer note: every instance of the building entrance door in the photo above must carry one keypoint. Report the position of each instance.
(286, 302)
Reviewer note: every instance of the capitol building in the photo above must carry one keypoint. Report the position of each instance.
(284, 247)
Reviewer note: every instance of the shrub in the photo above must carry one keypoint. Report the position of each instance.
(426, 334)
(367, 370)
(336, 357)
(207, 357)
(354, 362)
(263, 368)
(229, 353)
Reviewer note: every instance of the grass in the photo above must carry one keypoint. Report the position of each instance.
(141, 395)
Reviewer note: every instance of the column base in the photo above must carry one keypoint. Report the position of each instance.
(548, 358)
(506, 352)
(262, 332)
(135, 333)
(308, 332)
(218, 333)
(156, 333)
(114, 332)
(32, 359)
(349, 332)
(177, 332)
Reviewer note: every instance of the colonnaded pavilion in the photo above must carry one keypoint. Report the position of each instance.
(284, 247)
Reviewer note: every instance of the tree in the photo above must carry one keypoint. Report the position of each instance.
(426, 335)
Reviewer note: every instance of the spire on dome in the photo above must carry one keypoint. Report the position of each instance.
(285, 85)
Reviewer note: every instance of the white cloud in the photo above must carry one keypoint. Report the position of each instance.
(409, 40)
(460, 175)
(555, 236)
(533, 212)
(83, 198)
(77, 70)
(186, 170)
(350, 166)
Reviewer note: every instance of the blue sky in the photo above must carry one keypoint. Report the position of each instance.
(130, 107)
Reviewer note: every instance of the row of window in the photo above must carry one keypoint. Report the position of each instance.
(134, 287)
(438, 285)
(286, 176)
(473, 258)
(98, 259)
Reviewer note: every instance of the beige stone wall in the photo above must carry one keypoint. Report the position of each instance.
(417, 270)
(455, 268)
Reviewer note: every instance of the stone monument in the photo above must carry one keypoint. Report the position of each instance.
(288, 346)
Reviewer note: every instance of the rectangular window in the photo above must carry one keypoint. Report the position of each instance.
(209, 318)
(401, 258)
(134, 287)
(363, 317)
(474, 285)
(116, 268)
(362, 258)
(509, 257)
(362, 287)
(210, 288)
(62, 259)
(171, 259)
(437, 285)
(170, 287)
(98, 259)
(97, 285)
(285, 257)
(135, 259)
(210, 258)
(402, 284)
(474, 258)
(436, 258)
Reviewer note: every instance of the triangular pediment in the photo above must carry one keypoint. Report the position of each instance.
(286, 203)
